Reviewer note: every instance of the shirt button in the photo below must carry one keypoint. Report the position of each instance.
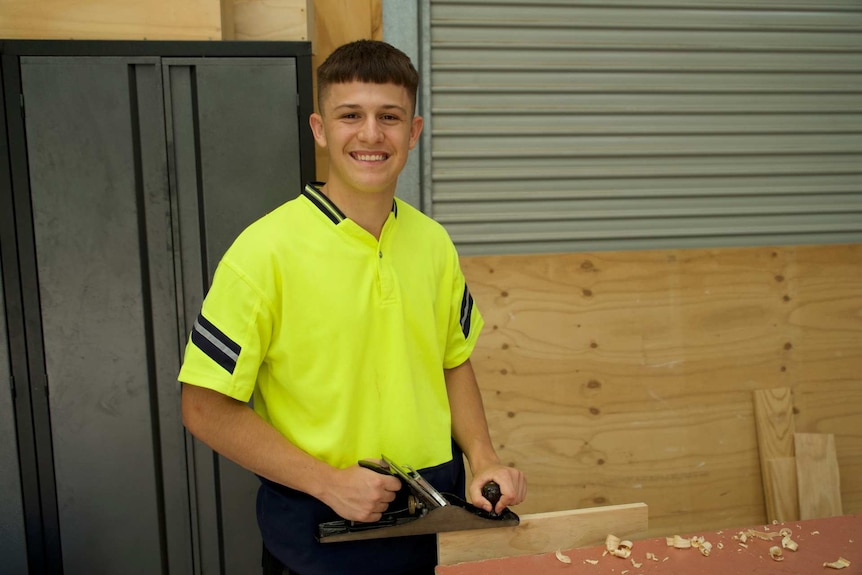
(380, 255)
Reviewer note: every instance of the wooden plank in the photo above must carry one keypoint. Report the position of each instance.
(773, 416)
(783, 487)
(817, 475)
(543, 532)
(111, 19)
(271, 20)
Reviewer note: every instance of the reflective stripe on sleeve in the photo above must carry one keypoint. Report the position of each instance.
(215, 344)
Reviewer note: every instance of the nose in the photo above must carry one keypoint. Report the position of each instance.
(370, 131)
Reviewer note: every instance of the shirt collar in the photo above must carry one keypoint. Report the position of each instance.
(327, 207)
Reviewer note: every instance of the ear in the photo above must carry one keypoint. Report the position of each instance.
(416, 130)
(316, 123)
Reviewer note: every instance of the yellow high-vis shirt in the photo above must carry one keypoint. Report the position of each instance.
(340, 339)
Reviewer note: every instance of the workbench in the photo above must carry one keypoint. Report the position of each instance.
(819, 541)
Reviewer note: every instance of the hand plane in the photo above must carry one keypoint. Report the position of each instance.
(427, 511)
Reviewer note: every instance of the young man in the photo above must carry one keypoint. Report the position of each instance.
(345, 316)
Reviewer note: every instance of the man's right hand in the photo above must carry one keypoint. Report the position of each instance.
(359, 494)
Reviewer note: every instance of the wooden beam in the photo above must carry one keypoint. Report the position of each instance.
(544, 532)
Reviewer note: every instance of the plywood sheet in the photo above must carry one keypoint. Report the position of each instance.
(543, 532)
(628, 376)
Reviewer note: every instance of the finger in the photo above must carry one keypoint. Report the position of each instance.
(392, 484)
(503, 503)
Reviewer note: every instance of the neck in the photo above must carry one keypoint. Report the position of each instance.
(368, 209)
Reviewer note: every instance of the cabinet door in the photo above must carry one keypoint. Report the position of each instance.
(13, 544)
(233, 130)
(101, 217)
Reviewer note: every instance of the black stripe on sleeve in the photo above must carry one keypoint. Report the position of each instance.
(466, 311)
(215, 344)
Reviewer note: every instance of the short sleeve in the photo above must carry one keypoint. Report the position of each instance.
(230, 336)
(466, 321)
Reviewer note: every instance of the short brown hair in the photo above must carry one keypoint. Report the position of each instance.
(370, 61)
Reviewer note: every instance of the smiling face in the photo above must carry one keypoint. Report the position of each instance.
(368, 130)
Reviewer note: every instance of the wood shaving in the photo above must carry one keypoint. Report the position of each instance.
(789, 543)
(678, 542)
(699, 543)
(766, 536)
(775, 553)
(563, 558)
(636, 565)
(618, 548)
(840, 563)
(651, 556)
(591, 561)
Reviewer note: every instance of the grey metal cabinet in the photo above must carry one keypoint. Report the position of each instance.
(132, 166)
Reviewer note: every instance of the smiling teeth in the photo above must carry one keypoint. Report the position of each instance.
(371, 157)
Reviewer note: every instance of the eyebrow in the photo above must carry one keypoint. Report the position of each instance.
(359, 107)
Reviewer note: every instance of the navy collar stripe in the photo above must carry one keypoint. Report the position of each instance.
(325, 205)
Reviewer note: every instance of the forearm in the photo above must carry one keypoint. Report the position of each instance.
(469, 425)
(235, 431)
(470, 430)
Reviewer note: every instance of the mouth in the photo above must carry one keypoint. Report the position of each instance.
(369, 156)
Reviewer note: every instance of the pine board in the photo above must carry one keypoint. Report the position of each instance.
(773, 416)
(543, 532)
(817, 475)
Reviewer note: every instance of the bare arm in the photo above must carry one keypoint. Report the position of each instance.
(234, 430)
(470, 429)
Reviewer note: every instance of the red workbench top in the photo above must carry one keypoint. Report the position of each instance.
(820, 541)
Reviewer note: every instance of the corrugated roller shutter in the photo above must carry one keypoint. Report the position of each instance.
(571, 126)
